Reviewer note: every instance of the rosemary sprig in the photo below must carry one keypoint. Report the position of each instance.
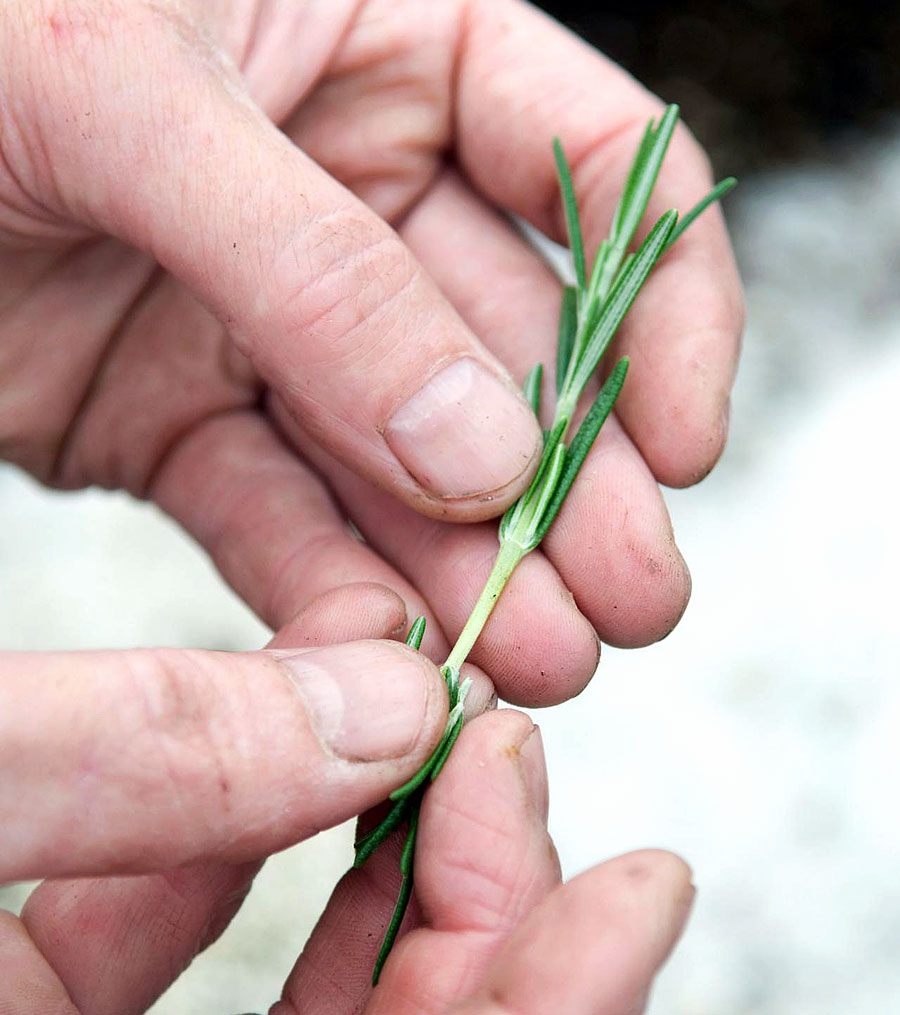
(590, 314)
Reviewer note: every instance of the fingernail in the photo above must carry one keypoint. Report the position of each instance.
(366, 701)
(464, 433)
(482, 696)
(534, 769)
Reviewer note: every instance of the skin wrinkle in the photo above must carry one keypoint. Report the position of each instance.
(344, 907)
(67, 439)
(31, 207)
(272, 47)
(509, 888)
(493, 866)
(175, 716)
(382, 70)
(306, 430)
(20, 210)
(180, 436)
(305, 554)
(355, 312)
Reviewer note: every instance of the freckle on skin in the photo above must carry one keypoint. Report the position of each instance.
(636, 872)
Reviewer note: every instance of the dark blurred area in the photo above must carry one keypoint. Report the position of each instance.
(760, 82)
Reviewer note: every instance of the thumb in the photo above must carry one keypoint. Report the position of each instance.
(324, 298)
(148, 760)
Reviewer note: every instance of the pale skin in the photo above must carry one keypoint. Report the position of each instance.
(216, 314)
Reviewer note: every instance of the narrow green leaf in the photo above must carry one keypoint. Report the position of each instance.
(403, 897)
(511, 521)
(639, 185)
(416, 781)
(637, 167)
(650, 160)
(532, 387)
(716, 194)
(406, 885)
(409, 847)
(416, 633)
(548, 487)
(626, 264)
(583, 441)
(591, 305)
(565, 341)
(367, 845)
(570, 207)
(621, 298)
(451, 679)
(451, 740)
(546, 458)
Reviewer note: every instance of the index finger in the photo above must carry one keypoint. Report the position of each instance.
(524, 79)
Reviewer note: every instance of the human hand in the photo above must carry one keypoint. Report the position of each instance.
(198, 764)
(192, 309)
(493, 928)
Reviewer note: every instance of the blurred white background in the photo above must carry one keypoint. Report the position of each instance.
(761, 740)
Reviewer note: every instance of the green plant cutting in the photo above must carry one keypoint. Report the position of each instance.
(591, 311)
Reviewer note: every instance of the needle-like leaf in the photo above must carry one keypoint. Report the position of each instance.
(536, 509)
(445, 753)
(416, 633)
(570, 207)
(532, 387)
(367, 845)
(626, 200)
(565, 341)
(583, 441)
(621, 298)
(642, 179)
(716, 194)
(406, 885)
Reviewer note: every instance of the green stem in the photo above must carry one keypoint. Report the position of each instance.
(508, 557)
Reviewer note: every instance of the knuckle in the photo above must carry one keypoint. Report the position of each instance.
(341, 287)
(181, 725)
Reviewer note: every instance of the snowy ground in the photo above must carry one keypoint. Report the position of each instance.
(761, 740)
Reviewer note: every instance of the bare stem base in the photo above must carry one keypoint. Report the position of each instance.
(505, 563)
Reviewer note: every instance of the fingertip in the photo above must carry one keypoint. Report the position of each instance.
(657, 884)
(482, 696)
(660, 866)
(614, 545)
(685, 446)
(684, 339)
(569, 656)
(359, 610)
(646, 895)
(487, 765)
(651, 597)
(539, 647)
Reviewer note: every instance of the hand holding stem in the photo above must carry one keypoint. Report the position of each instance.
(590, 315)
